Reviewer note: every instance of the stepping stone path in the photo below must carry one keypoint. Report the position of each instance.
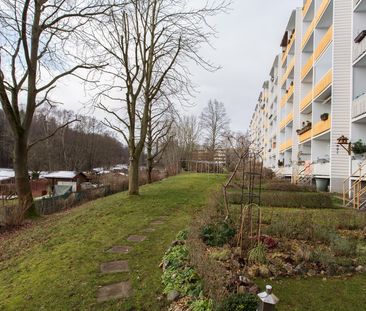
(136, 238)
(114, 267)
(114, 291)
(119, 250)
(123, 289)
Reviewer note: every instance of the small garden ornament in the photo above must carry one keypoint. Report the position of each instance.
(268, 300)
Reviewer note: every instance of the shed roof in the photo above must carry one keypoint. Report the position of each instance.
(6, 173)
(62, 175)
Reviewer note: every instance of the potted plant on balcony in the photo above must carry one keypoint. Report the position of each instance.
(324, 116)
(358, 149)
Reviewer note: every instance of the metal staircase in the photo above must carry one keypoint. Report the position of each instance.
(354, 189)
(305, 176)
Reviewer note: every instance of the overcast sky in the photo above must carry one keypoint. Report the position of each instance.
(248, 40)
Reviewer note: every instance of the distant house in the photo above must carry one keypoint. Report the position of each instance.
(67, 178)
(7, 176)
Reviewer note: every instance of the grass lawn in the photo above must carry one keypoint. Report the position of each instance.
(54, 265)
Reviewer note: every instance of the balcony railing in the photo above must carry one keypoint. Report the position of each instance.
(306, 7)
(359, 106)
(286, 145)
(324, 83)
(315, 21)
(321, 11)
(321, 127)
(306, 100)
(324, 43)
(288, 48)
(359, 49)
(287, 120)
(355, 2)
(321, 169)
(287, 96)
(288, 71)
(308, 33)
(305, 136)
(307, 67)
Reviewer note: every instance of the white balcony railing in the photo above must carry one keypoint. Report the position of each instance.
(359, 49)
(321, 169)
(356, 167)
(287, 171)
(359, 106)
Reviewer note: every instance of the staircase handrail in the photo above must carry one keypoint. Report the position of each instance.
(346, 189)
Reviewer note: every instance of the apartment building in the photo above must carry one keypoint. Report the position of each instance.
(315, 95)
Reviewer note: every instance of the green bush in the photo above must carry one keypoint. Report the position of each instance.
(290, 199)
(281, 185)
(201, 305)
(257, 255)
(217, 234)
(239, 302)
(301, 226)
(323, 257)
(297, 199)
(176, 256)
(183, 280)
(343, 247)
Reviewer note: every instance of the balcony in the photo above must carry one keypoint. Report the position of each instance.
(286, 145)
(288, 48)
(305, 136)
(315, 22)
(359, 106)
(287, 120)
(359, 48)
(288, 71)
(307, 67)
(324, 83)
(321, 127)
(287, 96)
(306, 101)
(306, 7)
(324, 43)
(321, 169)
(308, 34)
(324, 5)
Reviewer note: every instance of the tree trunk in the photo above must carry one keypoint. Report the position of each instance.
(22, 183)
(149, 170)
(133, 177)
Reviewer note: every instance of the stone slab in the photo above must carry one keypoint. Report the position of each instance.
(114, 267)
(157, 223)
(114, 291)
(149, 230)
(119, 249)
(136, 238)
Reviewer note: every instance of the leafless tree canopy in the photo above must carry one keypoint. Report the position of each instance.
(40, 43)
(215, 125)
(148, 46)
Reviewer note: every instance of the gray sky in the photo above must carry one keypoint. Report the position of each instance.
(248, 40)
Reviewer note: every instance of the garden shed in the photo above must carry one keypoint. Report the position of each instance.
(67, 178)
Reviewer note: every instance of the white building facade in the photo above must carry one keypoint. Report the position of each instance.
(315, 94)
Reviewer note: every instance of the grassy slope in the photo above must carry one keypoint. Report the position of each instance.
(55, 265)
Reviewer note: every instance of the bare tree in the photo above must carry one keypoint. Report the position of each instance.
(159, 135)
(215, 124)
(38, 46)
(187, 133)
(148, 47)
